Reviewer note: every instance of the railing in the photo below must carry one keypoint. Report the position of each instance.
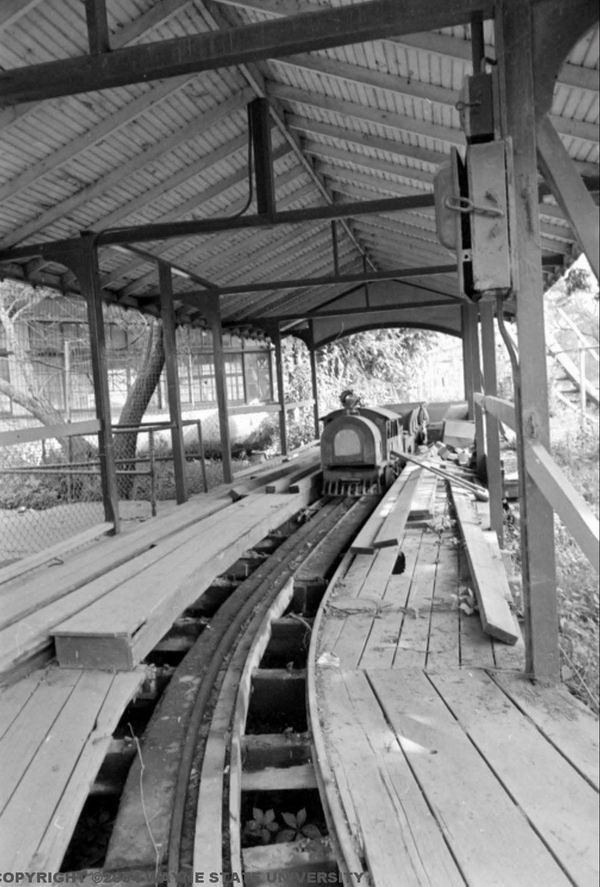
(556, 488)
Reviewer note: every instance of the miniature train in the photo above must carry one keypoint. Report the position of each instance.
(357, 446)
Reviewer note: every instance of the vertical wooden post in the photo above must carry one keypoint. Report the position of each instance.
(314, 380)
(582, 388)
(167, 314)
(85, 265)
(276, 335)
(515, 52)
(214, 315)
(494, 470)
(467, 347)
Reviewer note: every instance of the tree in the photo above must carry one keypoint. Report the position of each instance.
(136, 404)
(17, 302)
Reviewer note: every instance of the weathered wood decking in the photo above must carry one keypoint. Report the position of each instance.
(439, 761)
(57, 726)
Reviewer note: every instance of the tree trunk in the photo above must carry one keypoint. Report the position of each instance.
(41, 409)
(136, 404)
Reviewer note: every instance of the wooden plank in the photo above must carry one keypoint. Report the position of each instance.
(14, 697)
(29, 626)
(392, 528)
(28, 435)
(274, 750)
(30, 728)
(561, 174)
(494, 849)
(561, 718)
(413, 641)
(288, 861)
(131, 620)
(27, 564)
(31, 810)
(380, 646)
(361, 612)
(387, 812)
(443, 649)
(570, 506)
(476, 648)
(487, 572)
(364, 542)
(560, 805)
(503, 410)
(51, 850)
(299, 776)
(423, 502)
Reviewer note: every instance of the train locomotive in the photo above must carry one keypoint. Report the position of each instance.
(357, 443)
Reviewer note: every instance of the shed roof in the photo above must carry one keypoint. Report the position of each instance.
(358, 122)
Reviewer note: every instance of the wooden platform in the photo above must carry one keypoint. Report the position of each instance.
(176, 553)
(440, 763)
(56, 727)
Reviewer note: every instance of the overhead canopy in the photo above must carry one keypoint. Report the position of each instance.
(136, 114)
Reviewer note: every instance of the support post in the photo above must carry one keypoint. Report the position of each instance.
(492, 439)
(473, 322)
(214, 315)
(515, 52)
(276, 336)
(84, 264)
(467, 355)
(167, 313)
(314, 379)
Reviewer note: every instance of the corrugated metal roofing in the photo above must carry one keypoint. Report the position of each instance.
(368, 120)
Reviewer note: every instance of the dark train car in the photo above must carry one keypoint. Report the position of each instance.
(356, 450)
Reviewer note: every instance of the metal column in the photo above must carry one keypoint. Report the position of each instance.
(276, 336)
(167, 314)
(515, 52)
(214, 314)
(314, 380)
(85, 265)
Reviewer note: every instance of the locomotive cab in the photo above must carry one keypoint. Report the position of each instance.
(356, 450)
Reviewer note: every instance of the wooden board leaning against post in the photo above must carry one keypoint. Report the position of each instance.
(487, 572)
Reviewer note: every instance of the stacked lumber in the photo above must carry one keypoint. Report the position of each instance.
(38, 593)
(120, 627)
(487, 571)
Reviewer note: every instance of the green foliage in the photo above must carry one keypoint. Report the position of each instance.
(264, 829)
(297, 828)
(261, 828)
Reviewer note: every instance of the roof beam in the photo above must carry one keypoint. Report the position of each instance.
(192, 255)
(255, 80)
(97, 25)
(321, 29)
(440, 44)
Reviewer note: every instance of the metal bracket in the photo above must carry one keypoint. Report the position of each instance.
(465, 205)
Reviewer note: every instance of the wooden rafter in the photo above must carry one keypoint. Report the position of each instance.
(251, 43)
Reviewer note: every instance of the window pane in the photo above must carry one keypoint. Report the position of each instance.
(258, 377)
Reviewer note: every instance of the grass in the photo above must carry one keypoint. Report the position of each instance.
(577, 583)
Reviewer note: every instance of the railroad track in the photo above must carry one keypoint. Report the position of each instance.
(226, 730)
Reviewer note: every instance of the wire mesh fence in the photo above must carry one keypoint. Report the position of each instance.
(50, 490)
